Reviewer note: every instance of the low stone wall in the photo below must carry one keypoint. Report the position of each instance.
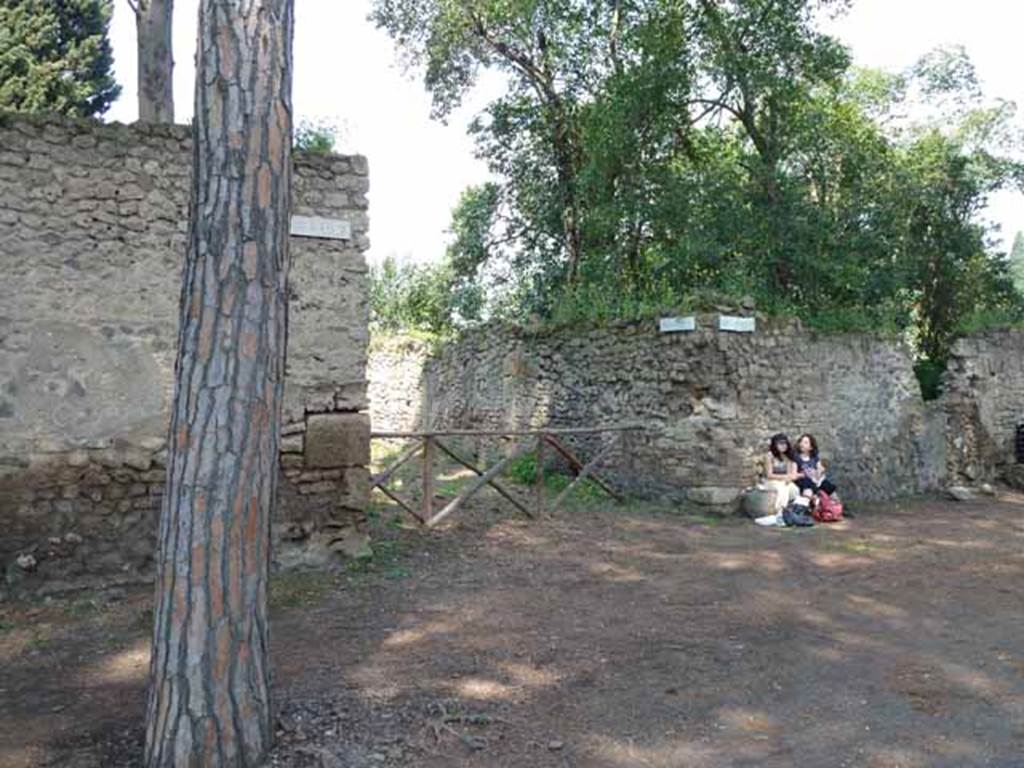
(93, 221)
(706, 401)
(984, 402)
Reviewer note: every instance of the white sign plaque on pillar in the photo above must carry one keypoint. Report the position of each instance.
(677, 324)
(316, 226)
(736, 324)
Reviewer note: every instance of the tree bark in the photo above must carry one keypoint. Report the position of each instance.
(153, 21)
(208, 700)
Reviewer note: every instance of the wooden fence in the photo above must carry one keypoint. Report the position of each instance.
(429, 443)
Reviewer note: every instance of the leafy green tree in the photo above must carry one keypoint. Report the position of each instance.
(417, 297)
(56, 57)
(557, 56)
(706, 149)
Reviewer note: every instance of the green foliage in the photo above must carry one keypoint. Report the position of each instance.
(411, 297)
(654, 152)
(56, 57)
(523, 471)
(317, 137)
(929, 376)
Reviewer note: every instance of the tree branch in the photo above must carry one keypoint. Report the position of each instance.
(613, 36)
(521, 61)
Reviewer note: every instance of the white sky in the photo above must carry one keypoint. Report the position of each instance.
(346, 72)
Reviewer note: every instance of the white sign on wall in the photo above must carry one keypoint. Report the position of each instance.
(316, 226)
(736, 324)
(676, 324)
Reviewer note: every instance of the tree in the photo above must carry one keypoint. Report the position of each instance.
(764, 58)
(1017, 262)
(208, 701)
(716, 149)
(55, 57)
(156, 59)
(554, 54)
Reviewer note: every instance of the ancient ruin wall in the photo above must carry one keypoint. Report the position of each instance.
(984, 402)
(707, 400)
(93, 221)
(395, 375)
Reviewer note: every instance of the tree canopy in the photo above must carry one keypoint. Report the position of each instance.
(56, 57)
(648, 152)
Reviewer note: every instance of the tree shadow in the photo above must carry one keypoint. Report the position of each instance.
(611, 637)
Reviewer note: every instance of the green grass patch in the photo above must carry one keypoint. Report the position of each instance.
(523, 471)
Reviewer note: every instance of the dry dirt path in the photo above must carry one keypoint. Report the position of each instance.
(605, 638)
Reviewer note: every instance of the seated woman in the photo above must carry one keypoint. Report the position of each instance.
(780, 471)
(810, 468)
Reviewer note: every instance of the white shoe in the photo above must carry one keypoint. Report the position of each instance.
(770, 521)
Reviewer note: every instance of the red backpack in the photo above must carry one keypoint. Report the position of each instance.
(828, 510)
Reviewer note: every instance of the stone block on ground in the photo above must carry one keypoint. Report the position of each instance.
(321, 548)
(961, 493)
(337, 440)
(714, 496)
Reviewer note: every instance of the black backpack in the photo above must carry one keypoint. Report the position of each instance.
(797, 515)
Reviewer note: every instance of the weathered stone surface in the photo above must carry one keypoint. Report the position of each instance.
(983, 393)
(397, 388)
(291, 461)
(298, 549)
(292, 443)
(86, 370)
(337, 440)
(706, 401)
(961, 493)
(714, 496)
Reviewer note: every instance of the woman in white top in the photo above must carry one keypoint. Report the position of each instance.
(780, 471)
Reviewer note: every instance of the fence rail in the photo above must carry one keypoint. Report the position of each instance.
(427, 444)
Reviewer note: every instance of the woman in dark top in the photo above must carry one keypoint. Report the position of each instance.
(810, 469)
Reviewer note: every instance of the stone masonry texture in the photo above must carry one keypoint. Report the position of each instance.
(93, 224)
(707, 401)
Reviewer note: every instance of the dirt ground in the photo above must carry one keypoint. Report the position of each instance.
(605, 637)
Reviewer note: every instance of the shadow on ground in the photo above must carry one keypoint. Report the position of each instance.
(606, 637)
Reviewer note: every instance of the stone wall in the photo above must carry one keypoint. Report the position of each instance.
(93, 220)
(984, 402)
(707, 401)
(395, 374)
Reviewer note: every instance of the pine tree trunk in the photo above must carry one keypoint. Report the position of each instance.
(153, 20)
(208, 699)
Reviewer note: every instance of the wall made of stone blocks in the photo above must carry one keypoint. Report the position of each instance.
(983, 399)
(395, 375)
(706, 401)
(93, 221)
